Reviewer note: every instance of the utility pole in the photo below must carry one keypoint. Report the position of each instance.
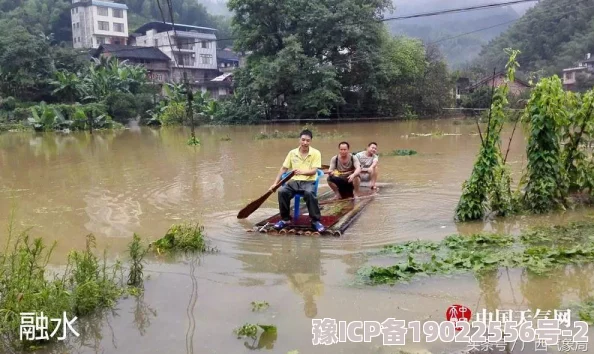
(190, 110)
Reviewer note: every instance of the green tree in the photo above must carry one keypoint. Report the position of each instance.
(328, 48)
(25, 63)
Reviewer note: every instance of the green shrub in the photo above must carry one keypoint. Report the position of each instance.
(121, 106)
(21, 114)
(173, 114)
(8, 104)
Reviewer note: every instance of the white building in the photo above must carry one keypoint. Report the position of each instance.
(191, 48)
(98, 22)
(584, 68)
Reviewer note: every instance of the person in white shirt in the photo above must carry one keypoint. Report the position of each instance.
(369, 160)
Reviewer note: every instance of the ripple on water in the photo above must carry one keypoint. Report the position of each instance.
(111, 214)
(398, 214)
(163, 195)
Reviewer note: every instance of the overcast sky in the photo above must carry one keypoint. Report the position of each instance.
(404, 7)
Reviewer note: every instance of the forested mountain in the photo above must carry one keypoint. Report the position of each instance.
(451, 31)
(457, 51)
(39, 16)
(552, 35)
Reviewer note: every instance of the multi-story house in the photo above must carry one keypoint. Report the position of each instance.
(192, 49)
(155, 61)
(584, 68)
(98, 22)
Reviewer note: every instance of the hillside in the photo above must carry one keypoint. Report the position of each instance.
(441, 29)
(552, 35)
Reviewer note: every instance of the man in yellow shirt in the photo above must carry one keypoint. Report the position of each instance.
(306, 161)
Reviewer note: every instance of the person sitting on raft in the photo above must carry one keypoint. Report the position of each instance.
(343, 174)
(369, 160)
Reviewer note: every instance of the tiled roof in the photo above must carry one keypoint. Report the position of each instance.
(227, 55)
(133, 52)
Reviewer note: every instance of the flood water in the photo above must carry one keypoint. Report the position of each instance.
(114, 184)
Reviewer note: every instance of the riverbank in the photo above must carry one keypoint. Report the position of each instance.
(453, 113)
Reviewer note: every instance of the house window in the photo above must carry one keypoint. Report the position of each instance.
(156, 43)
(204, 44)
(206, 58)
(100, 40)
(118, 27)
(102, 11)
(103, 25)
(119, 13)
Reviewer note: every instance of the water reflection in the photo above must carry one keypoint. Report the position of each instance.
(488, 282)
(143, 314)
(298, 259)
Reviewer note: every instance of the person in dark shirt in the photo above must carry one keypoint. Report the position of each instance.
(343, 174)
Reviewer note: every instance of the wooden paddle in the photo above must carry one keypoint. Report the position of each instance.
(253, 206)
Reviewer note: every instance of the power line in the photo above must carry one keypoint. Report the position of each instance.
(449, 11)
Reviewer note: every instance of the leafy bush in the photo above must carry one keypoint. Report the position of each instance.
(173, 114)
(480, 98)
(21, 114)
(121, 106)
(8, 104)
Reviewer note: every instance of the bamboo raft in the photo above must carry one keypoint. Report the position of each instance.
(337, 216)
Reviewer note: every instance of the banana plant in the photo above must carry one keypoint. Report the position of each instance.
(46, 118)
(68, 85)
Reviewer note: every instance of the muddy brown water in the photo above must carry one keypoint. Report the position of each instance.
(114, 184)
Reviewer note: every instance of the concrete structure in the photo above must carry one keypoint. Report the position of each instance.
(154, 60)
(227, 60)
(97, 22)
(584, 67)
(219, 87)
(192, 49)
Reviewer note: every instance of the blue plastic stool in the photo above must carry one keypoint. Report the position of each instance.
(298, 196)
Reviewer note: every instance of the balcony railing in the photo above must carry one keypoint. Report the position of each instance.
(184, 47)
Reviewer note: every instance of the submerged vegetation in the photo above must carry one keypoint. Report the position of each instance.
(294, 134)
(586, 311)
(538, 250)
(399, 152)
(259, 305)
(86, 285)
(183, 237)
